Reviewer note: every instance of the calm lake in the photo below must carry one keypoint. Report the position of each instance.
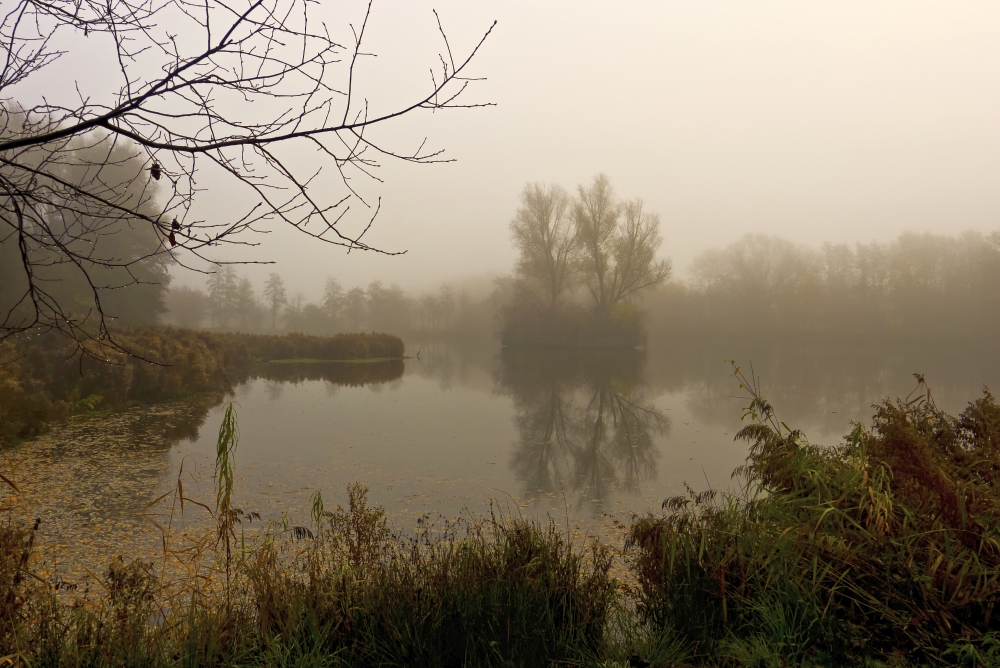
(583, 438)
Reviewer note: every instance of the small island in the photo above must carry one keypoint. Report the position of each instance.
(583, 263)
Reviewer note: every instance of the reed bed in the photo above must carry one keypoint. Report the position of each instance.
(351, 375)
(46, 378)
(346, 592)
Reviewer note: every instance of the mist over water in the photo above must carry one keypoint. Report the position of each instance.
(578, 432)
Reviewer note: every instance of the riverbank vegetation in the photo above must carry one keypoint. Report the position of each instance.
(882, 551)
(342, 591)
(46, 378)
(883, 548)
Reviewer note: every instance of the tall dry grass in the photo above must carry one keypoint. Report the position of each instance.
(884, 549)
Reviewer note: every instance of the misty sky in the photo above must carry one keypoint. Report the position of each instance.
(846, 121)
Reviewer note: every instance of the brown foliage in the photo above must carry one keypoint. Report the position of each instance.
(337, 347)
(944, 469)
(44, 378)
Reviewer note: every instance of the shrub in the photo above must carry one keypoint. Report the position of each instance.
(886, 546)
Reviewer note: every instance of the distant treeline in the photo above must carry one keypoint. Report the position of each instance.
(232, 303)
(45, 378)
(920, 286)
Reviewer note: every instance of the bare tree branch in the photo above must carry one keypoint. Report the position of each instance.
(100, 193)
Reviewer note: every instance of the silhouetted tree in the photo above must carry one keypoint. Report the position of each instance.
(595, 241)
(356, 309)
(634, 266)
(187, 307)
(547, 244)
(446, 297)
(294, 312)
(222, 296)
(388, 308)
(275, 296)
(333, 301)
(245, 305)
(596, 213)
(87, 261)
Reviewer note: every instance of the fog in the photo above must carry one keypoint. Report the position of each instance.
(817, 122)
(842, 122)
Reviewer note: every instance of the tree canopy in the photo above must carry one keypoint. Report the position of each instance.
(593, 247)
(594, 240)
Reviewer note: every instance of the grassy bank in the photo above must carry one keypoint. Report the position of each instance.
(885, 548)
(882, 551)
(46, 378)
(342, 591)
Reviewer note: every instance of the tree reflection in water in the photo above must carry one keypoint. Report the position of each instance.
(584, 425)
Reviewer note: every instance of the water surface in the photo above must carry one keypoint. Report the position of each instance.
(583, 438)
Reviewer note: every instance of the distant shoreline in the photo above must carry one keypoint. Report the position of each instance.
(314, 360)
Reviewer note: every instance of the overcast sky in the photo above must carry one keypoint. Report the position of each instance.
(844, 122)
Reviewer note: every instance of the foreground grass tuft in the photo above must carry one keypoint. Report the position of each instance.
(344, 592)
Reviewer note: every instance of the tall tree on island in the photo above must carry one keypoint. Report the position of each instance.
(618, 242)
(547, 241)
(275, 296)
